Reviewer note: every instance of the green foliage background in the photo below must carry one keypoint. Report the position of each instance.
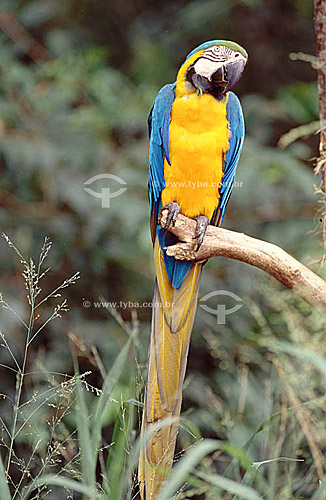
(77, 108)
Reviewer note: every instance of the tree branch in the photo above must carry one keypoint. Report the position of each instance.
(19, 35)
(266, 256)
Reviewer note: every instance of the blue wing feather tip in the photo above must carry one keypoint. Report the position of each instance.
(176, 269)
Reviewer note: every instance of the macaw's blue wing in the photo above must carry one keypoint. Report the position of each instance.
(236, 126)
(158, 128)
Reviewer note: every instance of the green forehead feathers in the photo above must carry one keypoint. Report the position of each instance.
(231, 45)
(234, 46)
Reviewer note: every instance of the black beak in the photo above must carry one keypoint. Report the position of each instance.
(227, 76)
(234, 71)
(219, 78)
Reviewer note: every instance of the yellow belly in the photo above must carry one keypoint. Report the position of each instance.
(198, 140)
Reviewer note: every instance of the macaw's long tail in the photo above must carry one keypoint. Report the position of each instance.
(172, 320)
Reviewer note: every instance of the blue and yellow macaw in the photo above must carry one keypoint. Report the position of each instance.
(196, 132)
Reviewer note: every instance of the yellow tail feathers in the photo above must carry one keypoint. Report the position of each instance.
(172, 320)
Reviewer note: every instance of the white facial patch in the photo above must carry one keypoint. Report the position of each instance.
(205, 67)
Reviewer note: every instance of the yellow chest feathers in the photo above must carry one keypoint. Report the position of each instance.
(198, 140)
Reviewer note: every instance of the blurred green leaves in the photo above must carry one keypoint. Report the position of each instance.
(37, 12)
(300, 102)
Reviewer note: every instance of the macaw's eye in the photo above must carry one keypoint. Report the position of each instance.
(237, 55)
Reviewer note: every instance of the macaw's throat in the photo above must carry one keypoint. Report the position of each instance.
(220, 82)
(216, 89)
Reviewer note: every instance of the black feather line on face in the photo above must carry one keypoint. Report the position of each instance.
(215, 58)
(202, 82)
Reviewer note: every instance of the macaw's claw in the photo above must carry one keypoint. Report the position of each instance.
(173, 212)
(201, 225)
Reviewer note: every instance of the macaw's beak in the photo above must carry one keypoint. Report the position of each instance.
(228, 75)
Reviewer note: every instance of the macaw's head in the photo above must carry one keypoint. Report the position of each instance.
(214, 67)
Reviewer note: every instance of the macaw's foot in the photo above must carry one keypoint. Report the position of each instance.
(201, 226)
(173, 211)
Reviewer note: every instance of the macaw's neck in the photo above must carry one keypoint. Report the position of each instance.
(183, 87)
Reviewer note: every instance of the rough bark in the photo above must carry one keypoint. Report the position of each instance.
(320, 30)
(266, 256)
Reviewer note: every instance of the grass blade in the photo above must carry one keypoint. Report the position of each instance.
(108, 386)
(185, 466)
(5, 492)
(88, 458)
(244, 492)
(115, 466)
(278, 459)
(64, 482)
